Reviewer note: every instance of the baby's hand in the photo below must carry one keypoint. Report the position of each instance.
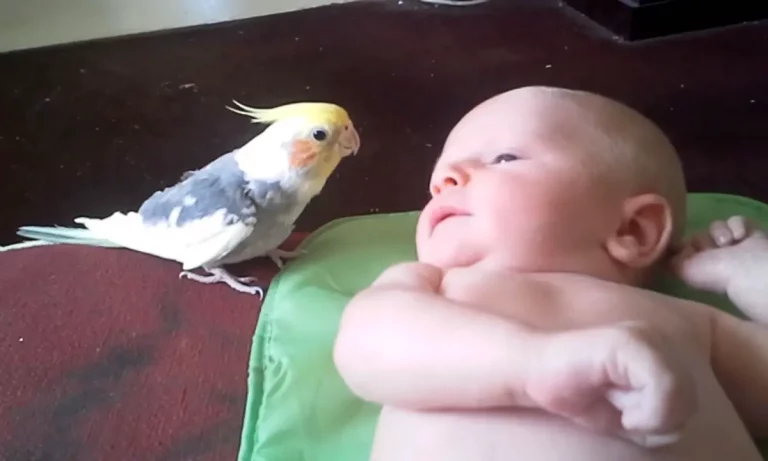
(730, 250)
(623, 379)
(411, 275)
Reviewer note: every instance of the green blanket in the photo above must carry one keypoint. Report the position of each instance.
(298, 408)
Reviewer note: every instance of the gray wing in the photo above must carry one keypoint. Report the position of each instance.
(202, 193)
(207, 215)
(214, 210)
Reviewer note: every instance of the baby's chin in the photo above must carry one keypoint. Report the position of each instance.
(444, 258)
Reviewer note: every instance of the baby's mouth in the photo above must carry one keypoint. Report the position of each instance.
(444, 213)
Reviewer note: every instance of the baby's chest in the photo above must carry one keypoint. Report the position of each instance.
(561, 302)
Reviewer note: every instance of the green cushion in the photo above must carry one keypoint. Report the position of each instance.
(298, 408)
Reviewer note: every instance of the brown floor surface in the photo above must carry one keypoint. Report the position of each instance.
(91, 128)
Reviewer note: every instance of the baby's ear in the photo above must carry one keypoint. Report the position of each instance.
(644, 231)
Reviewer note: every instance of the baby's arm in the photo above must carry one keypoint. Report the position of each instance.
(740, 361)
(402, 344)
(731, 258)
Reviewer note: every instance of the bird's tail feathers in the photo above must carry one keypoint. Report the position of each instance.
(108, 232)
(65, 235)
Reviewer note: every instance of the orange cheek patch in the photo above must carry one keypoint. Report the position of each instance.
(303, 153)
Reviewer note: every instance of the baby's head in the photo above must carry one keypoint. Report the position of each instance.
(552, 180)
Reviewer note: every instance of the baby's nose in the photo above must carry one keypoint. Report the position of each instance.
(452, 178)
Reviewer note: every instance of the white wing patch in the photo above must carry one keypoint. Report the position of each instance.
(194, 244)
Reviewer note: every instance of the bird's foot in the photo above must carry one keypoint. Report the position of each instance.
(277, 255)
(219, 274)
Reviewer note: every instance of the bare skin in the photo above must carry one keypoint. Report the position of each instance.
(523, 331)
(731, 258)
(580, 306)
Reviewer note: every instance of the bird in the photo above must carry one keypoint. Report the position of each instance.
(242, 205)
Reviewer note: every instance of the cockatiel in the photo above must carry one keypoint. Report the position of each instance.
(240, 206)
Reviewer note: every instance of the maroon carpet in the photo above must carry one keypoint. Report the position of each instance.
(106, 355)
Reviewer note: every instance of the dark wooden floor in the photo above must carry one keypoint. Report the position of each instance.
(108, 355)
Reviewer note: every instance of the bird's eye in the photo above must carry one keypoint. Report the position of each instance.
(504, 158)
(319, 135)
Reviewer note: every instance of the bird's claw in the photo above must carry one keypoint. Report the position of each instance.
(277, 255)
(218, 274)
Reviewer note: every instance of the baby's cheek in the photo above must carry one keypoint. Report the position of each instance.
(422, 248)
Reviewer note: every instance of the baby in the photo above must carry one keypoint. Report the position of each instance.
(524, 331)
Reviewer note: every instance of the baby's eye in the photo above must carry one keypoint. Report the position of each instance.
(504, 158)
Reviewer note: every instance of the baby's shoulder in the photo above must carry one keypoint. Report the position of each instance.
(563, 300)
(611, 298)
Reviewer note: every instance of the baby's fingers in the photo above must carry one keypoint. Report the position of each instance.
(601, 417)
(652, 441)
(739, 226)
(662, 407)
(729, 232)
(719, 234)
(723, 233)
(703, 241)
(690, 247)
(655, 390)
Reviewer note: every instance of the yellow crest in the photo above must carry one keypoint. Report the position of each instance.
(316, 111)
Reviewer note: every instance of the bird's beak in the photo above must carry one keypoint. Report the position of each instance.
(350, 141)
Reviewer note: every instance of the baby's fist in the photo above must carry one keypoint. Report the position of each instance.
(624, 379)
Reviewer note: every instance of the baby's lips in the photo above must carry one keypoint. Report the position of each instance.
(441, 213)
